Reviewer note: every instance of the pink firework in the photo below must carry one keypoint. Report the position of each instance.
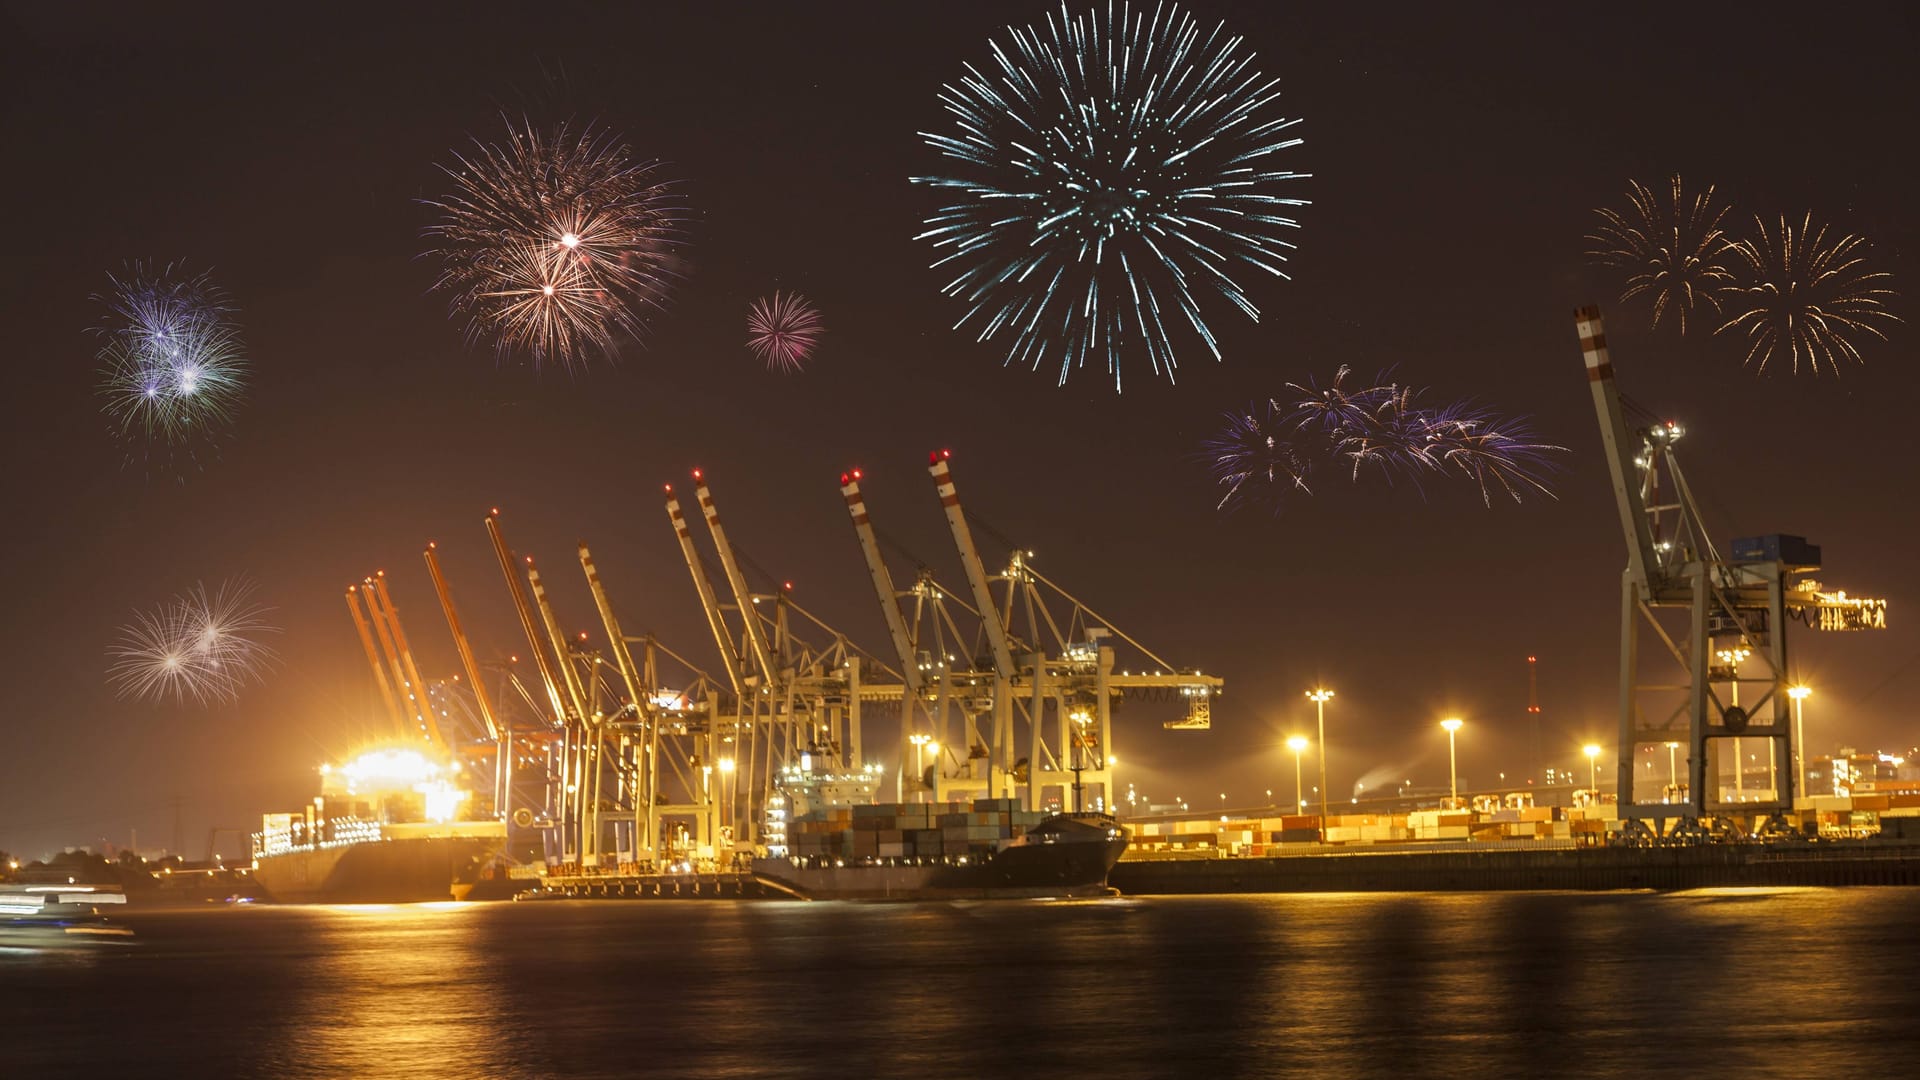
(782, 330)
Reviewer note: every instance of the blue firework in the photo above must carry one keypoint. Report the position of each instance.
(172, 365)
(1115, 175)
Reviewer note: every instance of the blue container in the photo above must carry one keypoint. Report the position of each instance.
(1776, 547)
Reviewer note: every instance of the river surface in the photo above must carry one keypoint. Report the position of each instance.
(1806, 982)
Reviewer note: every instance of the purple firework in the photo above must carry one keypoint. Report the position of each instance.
(782, 330)
(1255, 459)
(1271, 448)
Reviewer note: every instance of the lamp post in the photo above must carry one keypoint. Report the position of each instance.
(1297, 743)
(1452, 724)
(1673, 771)
(726, 792)
(1799, 695)
(1732, 658)
(1592, 750)
(1319, 696)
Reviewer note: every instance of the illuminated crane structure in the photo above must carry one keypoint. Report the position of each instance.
(629, 756)
(1715, 625)
(1024, 708)
(797, 702)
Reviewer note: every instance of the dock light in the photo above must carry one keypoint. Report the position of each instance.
(1592, 750)
(1297, 744)
(1320, 695)
(1452, 724)
(1673, 770)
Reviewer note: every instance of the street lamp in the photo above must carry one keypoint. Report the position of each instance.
(1452, 724)
(1297, 743)
(1592, 750)
(1673, 771)
(1320, 695)
(1799, 695)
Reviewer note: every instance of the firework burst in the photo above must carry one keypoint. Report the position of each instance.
(1254, 457)
(1806, 296)
(782, 330)
(1112, 171)
(1269, 450)
(1673, 250)
(201, 645)
(557, 244)
(171, 366)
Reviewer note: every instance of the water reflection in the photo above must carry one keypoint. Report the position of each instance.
(1778, 983)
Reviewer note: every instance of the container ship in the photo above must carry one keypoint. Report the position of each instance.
(385, 829)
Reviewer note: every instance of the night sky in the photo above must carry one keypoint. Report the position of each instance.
(1456, 162)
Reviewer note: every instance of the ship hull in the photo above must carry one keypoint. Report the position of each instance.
(396, 871)
(1075, 863)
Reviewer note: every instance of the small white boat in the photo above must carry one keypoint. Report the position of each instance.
(60, 916)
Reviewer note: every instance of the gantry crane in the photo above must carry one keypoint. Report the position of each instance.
(1050, 674)
(937, 687)
(798, 702)
(1731, 638)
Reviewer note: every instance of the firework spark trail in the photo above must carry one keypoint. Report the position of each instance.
(555, 244)
(201, 645)
(1673, 251)
(1110, 169)
(171, 367)
(782, 330)
(1805, 296)
(1268, 451)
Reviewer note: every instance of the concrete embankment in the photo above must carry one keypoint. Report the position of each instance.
(1519, 868)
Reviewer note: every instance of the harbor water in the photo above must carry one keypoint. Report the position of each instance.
(1778, 982)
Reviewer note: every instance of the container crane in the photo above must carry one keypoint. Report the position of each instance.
(1736, 611)
(933, 687)
(1057, 676)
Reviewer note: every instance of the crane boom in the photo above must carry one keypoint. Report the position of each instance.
(467, 662)
(570, 676)
(409, 729)
(970, 560)
(882, 582)
(729, 654)
(525, 611)
(422, 708)
(756, 637)
(373, 659)
(1642, 558)
(622, 657)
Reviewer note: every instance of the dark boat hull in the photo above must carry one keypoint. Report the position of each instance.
(1060, 858)
(401, 871)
